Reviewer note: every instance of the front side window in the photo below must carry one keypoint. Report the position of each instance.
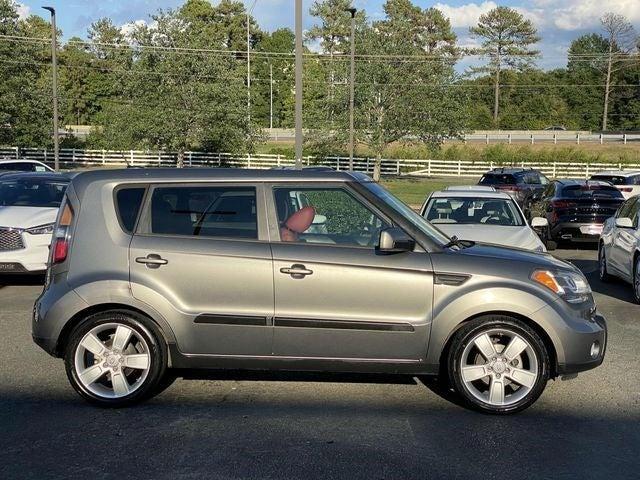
(32, 193)
(205, 211)
(469, 211)
(330, 216)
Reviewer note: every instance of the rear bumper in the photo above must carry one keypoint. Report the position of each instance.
(572, 231)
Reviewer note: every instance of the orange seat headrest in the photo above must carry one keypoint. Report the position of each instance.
(301, 220)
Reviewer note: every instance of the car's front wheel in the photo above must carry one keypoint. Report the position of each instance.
(498, 364)
(114, 359)
(636, 279)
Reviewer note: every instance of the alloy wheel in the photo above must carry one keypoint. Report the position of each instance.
(499, 367)
(112, 360)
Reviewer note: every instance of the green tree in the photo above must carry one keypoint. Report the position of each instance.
(506, 38)
(25, 80)
(173, 99)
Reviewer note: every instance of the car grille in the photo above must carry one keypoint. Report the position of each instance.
(10, 240)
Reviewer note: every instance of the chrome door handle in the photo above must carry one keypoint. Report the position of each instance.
(152, 260)
(296, 271)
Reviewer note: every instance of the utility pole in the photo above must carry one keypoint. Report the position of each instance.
(249, 61)
(298, 84)
(54, 61)
(352, 92)
(270, 96)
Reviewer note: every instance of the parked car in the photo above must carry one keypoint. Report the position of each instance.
(556, 128)
(523, 184)
(29, 204)
(577, 209)
(483, 216)
(248, 287)
(24, 166)
(628, 182)
(619, 246)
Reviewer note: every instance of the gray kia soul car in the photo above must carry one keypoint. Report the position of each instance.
(153, 270)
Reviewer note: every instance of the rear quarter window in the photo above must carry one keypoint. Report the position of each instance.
(128, 203)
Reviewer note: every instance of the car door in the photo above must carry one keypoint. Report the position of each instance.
(335, 296)
(203, 249)
(624, 240)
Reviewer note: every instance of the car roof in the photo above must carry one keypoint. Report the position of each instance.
(511, 170)
(196, 175)
(52, 176)
(470, 194)
(20, 160)
(467, 188)
(618, 173)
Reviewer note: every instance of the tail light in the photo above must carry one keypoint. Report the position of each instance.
(60, 244)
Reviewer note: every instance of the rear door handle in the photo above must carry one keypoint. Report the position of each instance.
(296, 271)
(152, 261)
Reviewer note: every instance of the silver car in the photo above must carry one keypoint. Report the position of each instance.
(619, 246)
(484, 215)
(153, 270)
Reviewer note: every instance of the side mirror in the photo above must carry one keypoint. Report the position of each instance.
(539, 222)
(624, 222)
(394, 240)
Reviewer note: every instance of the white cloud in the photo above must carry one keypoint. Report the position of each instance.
(23, 10)
(465, 15)
(583, 14)
(128, 28)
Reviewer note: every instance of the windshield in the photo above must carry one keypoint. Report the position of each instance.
(32, 193)
(469, 211)
(407, 212)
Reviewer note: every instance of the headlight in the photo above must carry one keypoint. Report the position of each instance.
(41, 230)
(571, 286)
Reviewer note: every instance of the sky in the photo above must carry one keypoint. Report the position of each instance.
(558, 21)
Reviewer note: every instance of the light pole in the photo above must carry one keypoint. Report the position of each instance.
(270, 96)
(352, 11)
(54, 48)
(299, 84)
(249, 60)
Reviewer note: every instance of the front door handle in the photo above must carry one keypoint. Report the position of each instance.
(296, 271)
(152, 261)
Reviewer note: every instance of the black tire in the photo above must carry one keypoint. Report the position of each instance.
(636, 278)
(603, 273)
(157, 353)
(497, 322)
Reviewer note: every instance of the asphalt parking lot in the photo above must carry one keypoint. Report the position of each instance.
(322, 427)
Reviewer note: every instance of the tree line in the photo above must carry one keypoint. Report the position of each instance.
(180, 81)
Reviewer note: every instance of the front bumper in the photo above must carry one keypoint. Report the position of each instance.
(32, 258)
(579, 357)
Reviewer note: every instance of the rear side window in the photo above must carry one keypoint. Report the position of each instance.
(498, 179)
(228, 212)
(128, 201)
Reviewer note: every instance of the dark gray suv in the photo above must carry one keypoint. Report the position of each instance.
(153, 270)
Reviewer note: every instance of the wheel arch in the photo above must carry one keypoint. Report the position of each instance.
(164, 335)
(544, 336)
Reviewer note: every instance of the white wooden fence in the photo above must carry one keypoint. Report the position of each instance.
(75, 158)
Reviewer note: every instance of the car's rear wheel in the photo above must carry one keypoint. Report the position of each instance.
(498, 364)
(602, 265)
(115, 359)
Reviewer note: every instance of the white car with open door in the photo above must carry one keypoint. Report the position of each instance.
(485, 216)
(619, 246)
(29, 204)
